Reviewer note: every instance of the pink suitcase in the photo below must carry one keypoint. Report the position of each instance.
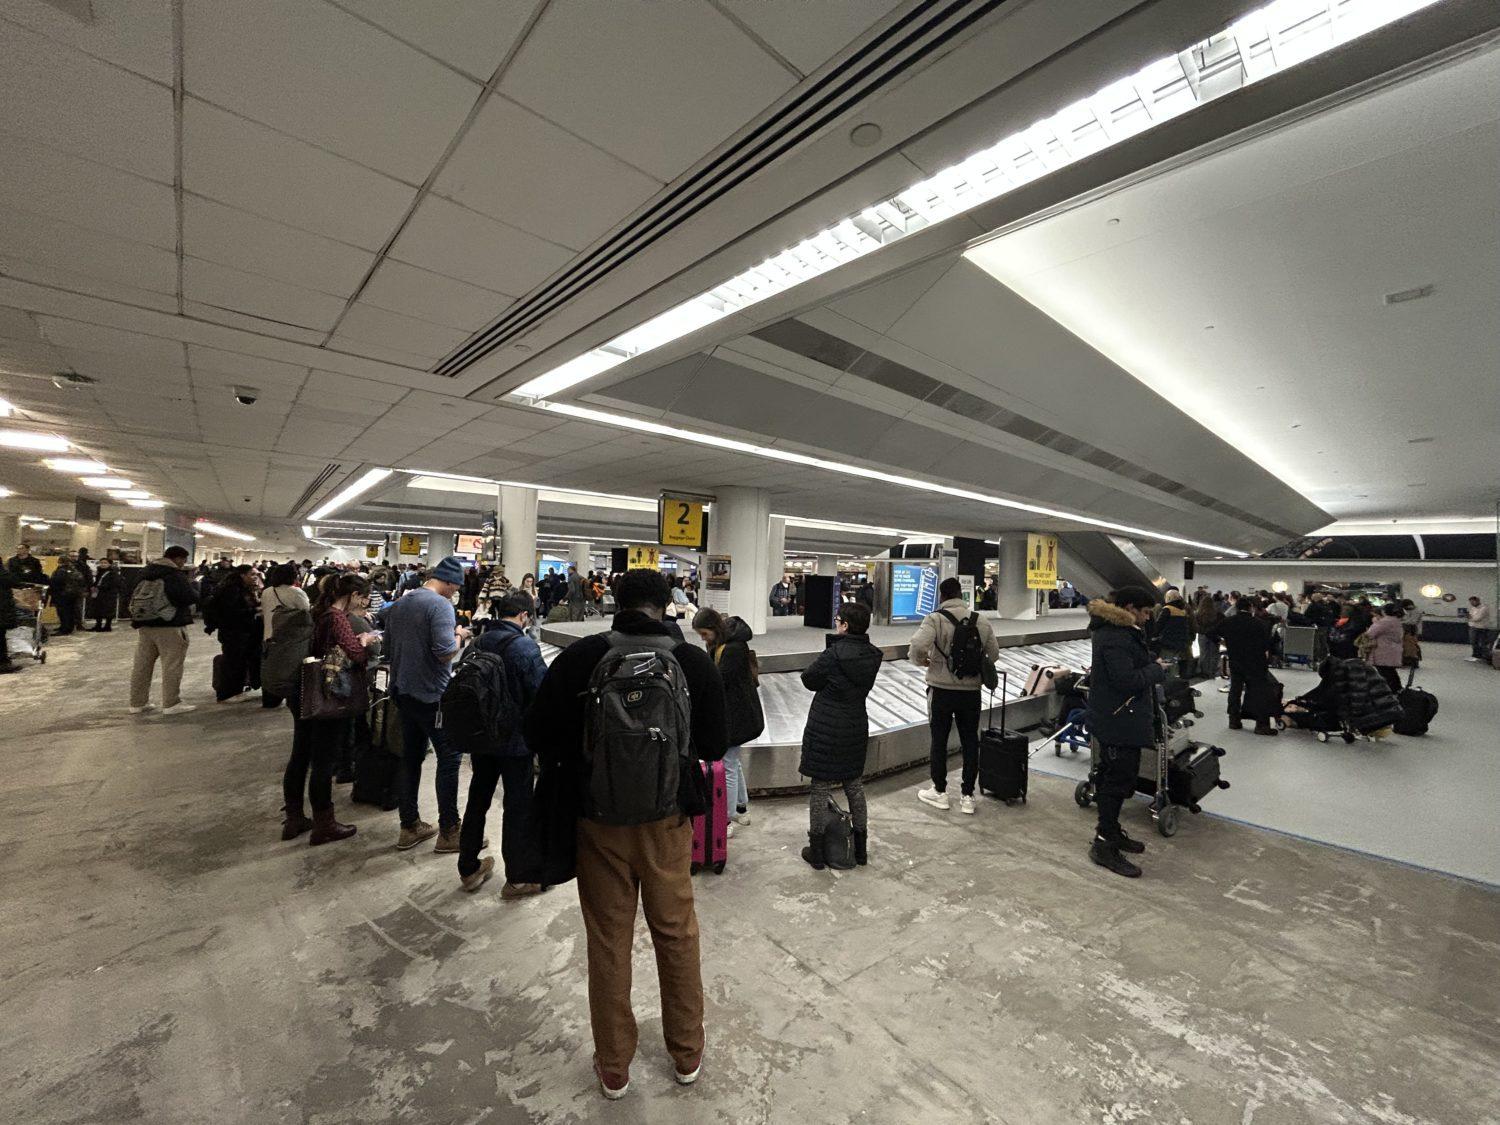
(1040, 680)
(711, 831)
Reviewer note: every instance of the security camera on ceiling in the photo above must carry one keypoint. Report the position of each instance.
(246, 396)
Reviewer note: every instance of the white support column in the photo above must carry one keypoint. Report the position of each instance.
(10, 535)
(826, 566)
(741, 529)
(1013, 599)
(775, 555)
(517, 507)
(440, 545)
(580, 554)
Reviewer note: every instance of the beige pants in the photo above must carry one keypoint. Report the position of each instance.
(169, 644)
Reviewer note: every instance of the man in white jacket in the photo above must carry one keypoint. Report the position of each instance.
(1481, 631)
(951, 698)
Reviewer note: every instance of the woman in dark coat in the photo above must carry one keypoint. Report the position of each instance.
(728, 642)
(235, 613)
(838, 728)
(104, 602)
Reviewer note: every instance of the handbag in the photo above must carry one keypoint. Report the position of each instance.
(838, 838)
(332, 687)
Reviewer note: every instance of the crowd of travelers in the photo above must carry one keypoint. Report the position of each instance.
(600, 757)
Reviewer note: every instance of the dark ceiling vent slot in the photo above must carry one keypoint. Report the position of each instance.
(315, 487)
(906, 44)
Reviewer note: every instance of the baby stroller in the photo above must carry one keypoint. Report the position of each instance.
(1073, 733)
(1351, 700)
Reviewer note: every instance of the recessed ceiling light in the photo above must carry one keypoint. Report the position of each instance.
(128, 494)
(4, 492)
(43, 443)
(1112, 222)
(866, 134)
(1419, 440)
(147, 503)
(1405, 295)
(1296, 425)
(6, 408)
(107, 482)
(75, 465)
(1208, 328)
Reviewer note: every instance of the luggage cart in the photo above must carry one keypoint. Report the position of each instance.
(1303, 645)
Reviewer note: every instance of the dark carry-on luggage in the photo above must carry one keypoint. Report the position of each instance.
(377, 765)
(1180, 699)
(838, 838)
(1418, 709)
(1262, 700)
(711, 830)
(1193, 774)
(1003, 756)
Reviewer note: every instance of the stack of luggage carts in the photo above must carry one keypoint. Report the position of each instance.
(1190, 768)
(28, 637)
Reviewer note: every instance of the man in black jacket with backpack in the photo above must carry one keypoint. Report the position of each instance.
(601, 769)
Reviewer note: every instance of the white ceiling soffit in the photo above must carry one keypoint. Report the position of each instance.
(1136, 40)
(1267, 269)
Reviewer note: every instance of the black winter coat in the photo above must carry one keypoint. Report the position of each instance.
(180, 593)
(1122, 707)
(105, 601)
(27, 570)
(838, 729)
(1246, 640)
(744, 718)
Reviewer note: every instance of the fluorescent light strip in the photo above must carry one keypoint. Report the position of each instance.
(1264, 42)
(128, 494)
(147, 503)
(210, 528)
(7, 408)
(307, 531)
(835, 525)
(42, 443)
(154, 526)
(4, 492)
(356, 525)
(84, 465)
(107, 482)
(525, 484)
(367, 481)
(607, 419)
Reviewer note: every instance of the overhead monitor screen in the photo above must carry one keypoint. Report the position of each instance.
(913, 591)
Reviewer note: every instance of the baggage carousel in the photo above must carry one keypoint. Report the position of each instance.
(897, 709)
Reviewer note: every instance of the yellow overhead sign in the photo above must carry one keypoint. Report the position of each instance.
(642, 558)
(372, 551)
(1041, 561)
(681, 522)
(411, 544)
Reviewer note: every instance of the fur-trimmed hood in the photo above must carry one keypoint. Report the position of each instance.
(1110, 614)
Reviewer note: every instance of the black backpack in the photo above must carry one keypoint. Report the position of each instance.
(637, 731)
(965, 655)
(1418, 708)
(477, 712)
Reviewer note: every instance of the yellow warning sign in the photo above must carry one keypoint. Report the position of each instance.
(372, 551)
(1041, 561)
(411, 544)
(681, 523)
(642, 558)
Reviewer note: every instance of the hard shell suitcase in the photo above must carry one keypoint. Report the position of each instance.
(219, 678)
(1418, 708)
(1193, 774)
(1042, 679)
(1004, 757)
(711, 830)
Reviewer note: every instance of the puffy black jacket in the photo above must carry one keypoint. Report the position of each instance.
(1170, 629)
(27, 570)
(838, 730)
(180, 593)
(554, 724)
(743, 716)
(1246, 639)
(1122, 709)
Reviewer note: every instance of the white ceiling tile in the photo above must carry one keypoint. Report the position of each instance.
(341, 391)
(808, 35)
(53, 94)
(516, 167)
(583, 69)
(214, 315)
(255, 169)
(209, 362)
(367, 350)
(432, 297)
(473, 35)
(317, 73)
(212, 284)
(448, 239)
(135, 34)
(73, 281)
(86, 251)
(248, 242)
(45, 181)
(104, 338)
(370, 325)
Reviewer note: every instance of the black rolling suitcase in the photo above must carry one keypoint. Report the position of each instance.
(1003, 757)
(1418, 708)
(1193, 774)
(377, 762)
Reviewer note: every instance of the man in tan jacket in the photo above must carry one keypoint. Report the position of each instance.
(951, 697)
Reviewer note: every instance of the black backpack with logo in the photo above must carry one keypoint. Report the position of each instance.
(637, 732)
(965, 655)
(477, 712)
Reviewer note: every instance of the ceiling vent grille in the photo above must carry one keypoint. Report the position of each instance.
(916, 36)
(317, 485)
(813, 343)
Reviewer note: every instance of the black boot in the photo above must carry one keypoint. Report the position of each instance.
(813, 853)
(1235, 724)
(1266, 729)
(1106, 854)
(861, 856)
(1126, 844)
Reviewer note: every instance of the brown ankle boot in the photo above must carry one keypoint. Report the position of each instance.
(327, 830)
(295, 823)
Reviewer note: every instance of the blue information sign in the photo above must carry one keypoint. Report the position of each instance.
(913, 591)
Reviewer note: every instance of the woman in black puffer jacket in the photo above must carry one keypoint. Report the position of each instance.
(838, 728)
(728, 642)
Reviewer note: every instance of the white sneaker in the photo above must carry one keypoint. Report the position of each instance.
(966, 805)
(742, 819)
(142, 710)
(1473, 660)
(730, 833)
(932, 797)
(179, 709)
(249, 695)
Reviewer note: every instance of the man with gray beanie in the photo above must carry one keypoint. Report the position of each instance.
(422, 637)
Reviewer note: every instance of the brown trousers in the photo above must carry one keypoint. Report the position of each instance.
(171, 646)
(652, 863)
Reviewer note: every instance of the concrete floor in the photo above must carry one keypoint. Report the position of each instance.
(1427, 801)
(166, 959)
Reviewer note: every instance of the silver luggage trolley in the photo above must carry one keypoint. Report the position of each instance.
(1304, 645)
(28, 600)
(1168, 739)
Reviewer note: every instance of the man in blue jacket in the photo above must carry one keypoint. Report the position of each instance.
(1122, 715)
(524, 670)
